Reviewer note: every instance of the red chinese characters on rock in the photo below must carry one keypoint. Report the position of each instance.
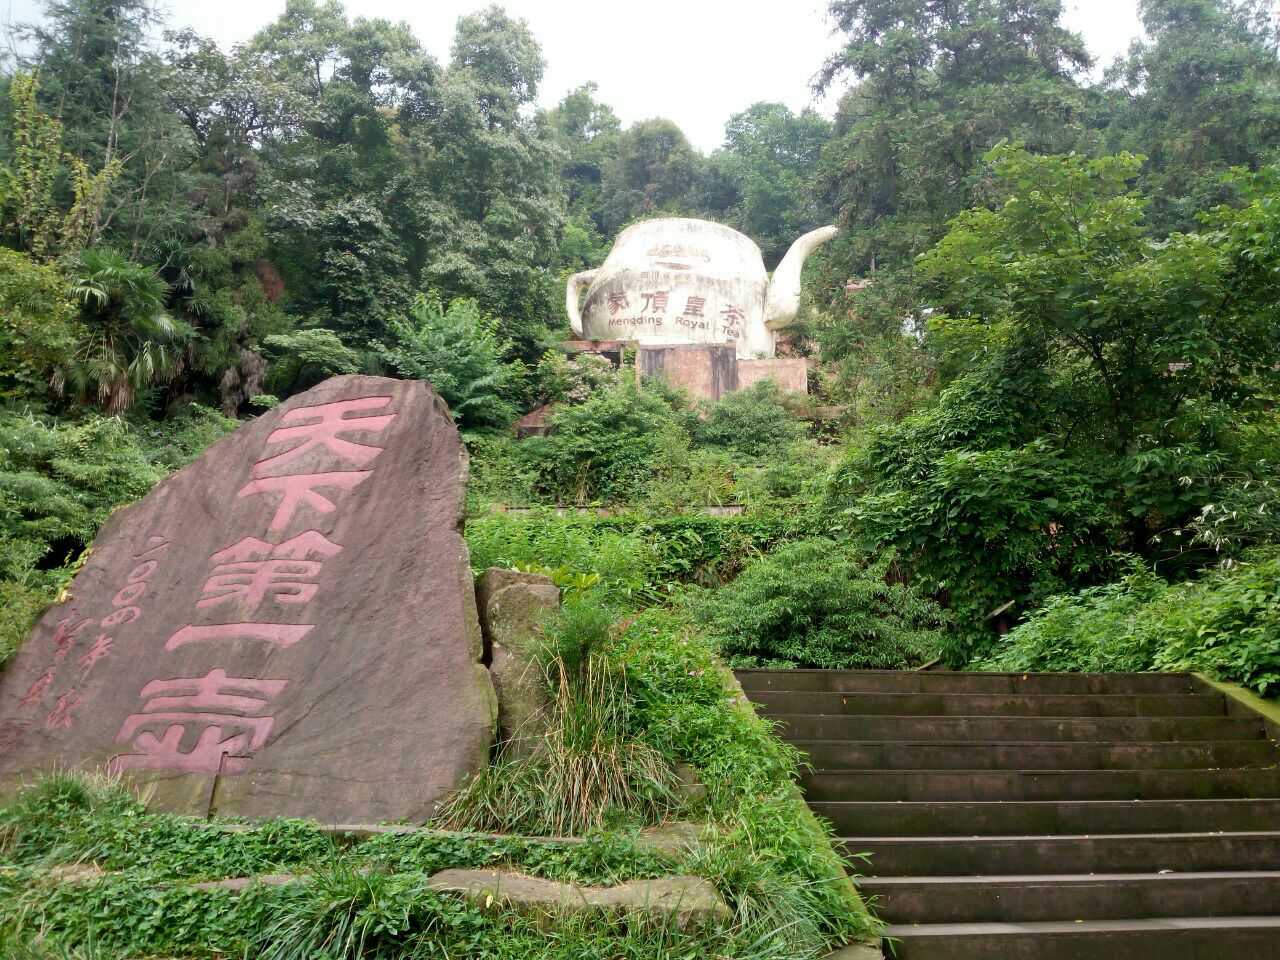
(213, 724)
(70, 630)
(250, 571)
(227, 722)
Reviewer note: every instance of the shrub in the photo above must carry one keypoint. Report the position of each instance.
(1226, 624)
(458, 350)
(38, 329)
(19, 607)
(818, 603)
(604, 449)
(59, 480)
(752, 423)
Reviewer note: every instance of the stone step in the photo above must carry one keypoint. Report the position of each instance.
(1020, 729)
(879, 755)
(1103, 853)
(1103, 896)
(942, 681)
(1045, 817)
(1173, 938)
(990, 705)
(917, 785)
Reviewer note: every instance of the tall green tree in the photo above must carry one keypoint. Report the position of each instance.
(762, 180)
(587, 131)
(343, 207)
(653, 173)
(1198, 95)
(99, 77)
(936, 85)
(493, 210)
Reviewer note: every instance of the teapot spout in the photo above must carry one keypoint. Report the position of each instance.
(784, 289)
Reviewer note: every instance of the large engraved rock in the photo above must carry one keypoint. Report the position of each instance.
(285, 626)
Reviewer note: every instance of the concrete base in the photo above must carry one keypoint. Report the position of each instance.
(707, 370)
(710, 370)
(789, 373)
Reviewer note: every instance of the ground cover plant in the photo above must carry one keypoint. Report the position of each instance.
(1226, 624)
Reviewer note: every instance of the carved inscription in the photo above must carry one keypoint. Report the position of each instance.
(79, 642)
(213, 723)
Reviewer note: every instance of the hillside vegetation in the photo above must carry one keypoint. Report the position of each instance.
(1049, 330)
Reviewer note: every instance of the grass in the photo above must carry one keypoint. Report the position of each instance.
(631, 701)
(633, 694)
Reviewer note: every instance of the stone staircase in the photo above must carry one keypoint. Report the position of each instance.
(1045, 816)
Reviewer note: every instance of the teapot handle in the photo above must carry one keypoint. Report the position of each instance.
(571, 306)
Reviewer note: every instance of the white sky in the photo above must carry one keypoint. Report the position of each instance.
(694, 61)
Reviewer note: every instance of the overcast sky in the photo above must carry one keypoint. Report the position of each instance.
(694, 61)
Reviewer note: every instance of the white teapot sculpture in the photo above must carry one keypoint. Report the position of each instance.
(676, 280)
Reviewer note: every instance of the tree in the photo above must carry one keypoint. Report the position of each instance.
(652, 174)
(1198, 96)
(587, 131)
(38, 330)
(1102, 389)
(130, 342)
(492, 209)
(761, 180)
(937, 85)
(99, 77)
(343, 204)
(459, 351)
(37, 219)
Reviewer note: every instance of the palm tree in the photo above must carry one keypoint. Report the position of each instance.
(131, 341)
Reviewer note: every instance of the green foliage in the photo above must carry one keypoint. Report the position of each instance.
(458, 350)
(818, 603)
(762, 180)
(130, 343)
(752, 423)
(936, 87)
(1225, 624)
(626, 560)
(1196, 96)
(651, 174)
(586, 769)
(774, 859)
(38, 330)
(30, 210)
(1103, 392)
(19, 607)
(603, 449)
(59, 480)
(304, 358)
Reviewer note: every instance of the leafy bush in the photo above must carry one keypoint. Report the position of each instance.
(19, 607)
(818, 603)
(1226, 625)
(978, 516)
(752, 423)
(59, 480)
(303, 358)
(459, 351)
(605, 449)
(38, 328)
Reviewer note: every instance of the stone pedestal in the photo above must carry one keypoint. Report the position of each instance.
(710, 370)
(706, 370)
(790, 373)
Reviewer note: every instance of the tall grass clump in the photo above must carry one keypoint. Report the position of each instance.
(587, 770)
